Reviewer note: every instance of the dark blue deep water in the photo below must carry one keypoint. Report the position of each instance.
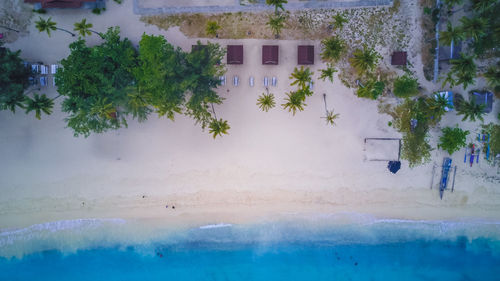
(364, 252)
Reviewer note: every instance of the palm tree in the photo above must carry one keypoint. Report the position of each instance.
(372, 89)
(138, 106)
(304, 92)
(451, 3)
(48, 26)
(218, 127)
(464, 64)
(450, 36)
(302, 76)
(266, 101)
(8, 28)
(294, 102)
(438, 106)
(278, 4)
(328, 73)
(364, 60)
(474, 27)
(11, 101)
(212, 28)
(339, 21)
(330, 116)
(84, 28)
(465, 79)
(276, 24)
(482, 5)
(492, 76)
(103, 109)
(333, 49)
(39, 104)
(449, 79)
(470, 110)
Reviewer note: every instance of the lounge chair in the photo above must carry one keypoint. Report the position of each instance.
(43, 81)
(35, 68)
(251, 81)
(44, 69)
(311, 85)
(266, 82)
(274, 81)
(222, 80)
(53, 68)
(236, 80)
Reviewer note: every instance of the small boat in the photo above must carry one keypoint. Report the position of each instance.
(444, 176)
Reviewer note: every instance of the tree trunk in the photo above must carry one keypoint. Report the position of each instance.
(213, 110)
(56, 97)
(72, 34)
(98, 33)
(8, 28)
(324, 100)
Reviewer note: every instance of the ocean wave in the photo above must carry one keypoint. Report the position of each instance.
(218, 225)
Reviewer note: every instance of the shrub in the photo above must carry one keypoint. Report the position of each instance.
(40, 11)
(371, 90)
(405, 86)
(96, 11)
(452, 139)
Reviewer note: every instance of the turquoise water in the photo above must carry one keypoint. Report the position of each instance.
(375, 251)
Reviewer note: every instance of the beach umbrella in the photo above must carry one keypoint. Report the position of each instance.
(394, 166)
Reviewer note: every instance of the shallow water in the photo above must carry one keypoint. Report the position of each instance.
(291, 250)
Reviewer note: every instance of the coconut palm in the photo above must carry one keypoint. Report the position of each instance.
(278, 4)
(266, 101)
(103, 109)
(8, 28)
(339, 21)
(48, 25)
(492, 76)
(304, 92)
(138, 106)
(482, 5)
(470, 110)
(465, 79)
(328, 73)
(474, 27)
(294, 101)
(212, 28)
(364, 60)
(330, 116)
(218, 127)
(39, 104)
(372, 89)
(450, 36)
(276, 24)
(332, 49)
(83, 28)
(438, 106)
(302, 77)
(449, 79)
(464, 64)
(11, 101)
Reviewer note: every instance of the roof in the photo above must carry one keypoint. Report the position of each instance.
(399, 58)
(305, 54)
(270, 54)
(484, 98)
(445, 51)
(234, 54)
(59, 3)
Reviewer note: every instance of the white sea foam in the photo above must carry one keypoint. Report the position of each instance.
(218, 225)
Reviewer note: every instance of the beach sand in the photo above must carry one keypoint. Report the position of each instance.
(269, 166)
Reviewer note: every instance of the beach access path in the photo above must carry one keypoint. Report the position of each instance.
(156, 7)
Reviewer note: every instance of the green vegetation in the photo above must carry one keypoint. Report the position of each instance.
(339, 21)
(278, 5)
(452, 139)
(494, 131)
(39, 104)
(471, 111)
(212, 28)
(332, 49)
(328, 73)
(48, 25)
(302, 77)
(266, 102)
(14, 80)
(492, 76)
(294, 101)
(405, 86)
(371, 89)
(218, 127)
(276, 23)
(365, 60)
(83, 28)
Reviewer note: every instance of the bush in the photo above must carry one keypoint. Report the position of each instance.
(452, 139)
(96, 11)
(40, 11)
(118, 1)
(405, 86)
(494, 131)
(371, 90)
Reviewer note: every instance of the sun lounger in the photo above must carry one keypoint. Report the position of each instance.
(266, 82)
(53, 68)
(222, 80)
(35, 68)
(311, 84)
(274, 81)
(53, 81)
(44, 70)
(251, 81)
(43, 81)
(236, 80)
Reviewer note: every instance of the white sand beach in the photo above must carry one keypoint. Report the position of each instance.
(270, 165)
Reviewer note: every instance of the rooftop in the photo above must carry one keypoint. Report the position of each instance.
(270, 54)
(305, 54)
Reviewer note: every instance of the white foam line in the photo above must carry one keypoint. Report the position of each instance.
(218, 225)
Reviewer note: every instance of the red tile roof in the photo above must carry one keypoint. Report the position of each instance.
(234, 54)
(270, 54)
(305, 54)
(59, 3)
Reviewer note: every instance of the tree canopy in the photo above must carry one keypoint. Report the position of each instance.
(14, 79)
